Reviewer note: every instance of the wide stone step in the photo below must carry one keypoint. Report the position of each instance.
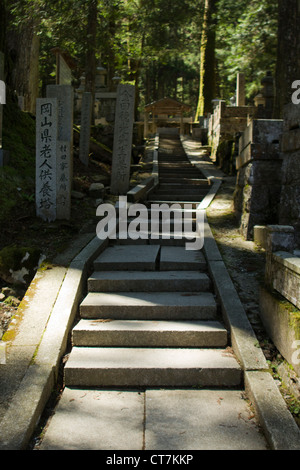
(149, 306)
(140, 333)
(180, 173)
(178, 258)
(144, 281)
(151, 367)
(181, 180)
(163, 196)
(200, 185)
(139, 257)
(165, 200)
(179, 191)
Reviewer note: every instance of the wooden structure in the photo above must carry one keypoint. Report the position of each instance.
(166, 111)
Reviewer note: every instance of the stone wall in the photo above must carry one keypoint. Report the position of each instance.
(279, 298)
(225, 122)
(258, 185)
(289, 210)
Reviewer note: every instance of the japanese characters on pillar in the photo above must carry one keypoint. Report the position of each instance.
(46, 142)
(122, 139)
(63, 180)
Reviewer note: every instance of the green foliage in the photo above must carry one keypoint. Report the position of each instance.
(246, 42)
(156, 43)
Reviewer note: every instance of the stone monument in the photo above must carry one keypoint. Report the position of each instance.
(63, 180)
(46, 161)
(240, 90)
(122, 146)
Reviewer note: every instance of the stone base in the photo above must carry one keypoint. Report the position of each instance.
(282, 322)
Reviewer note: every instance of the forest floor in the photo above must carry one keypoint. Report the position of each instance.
(244, 260)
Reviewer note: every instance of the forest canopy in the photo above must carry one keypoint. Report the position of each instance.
(155, 44)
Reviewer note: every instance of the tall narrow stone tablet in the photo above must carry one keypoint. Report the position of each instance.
(85, 128)
(122, 139)
(240, 89)
(65, 103)
(46, 141)
(63, 180)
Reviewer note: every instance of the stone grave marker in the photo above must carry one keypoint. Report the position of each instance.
(65, 100)
(63, 180)
(85, 127)
(122, 145)
(240, 89)
(46, 161)
(4, 154)
(1, 103)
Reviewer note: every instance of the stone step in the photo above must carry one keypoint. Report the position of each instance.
(180, 180)
(179, 191)
(144, 281)
(164, 200)
(199, 184)
(161, 238)
(179, 173)
(139, 333)
(178, 258)
(151, 367)
(149, 306)
(166, 197)
(128, 257)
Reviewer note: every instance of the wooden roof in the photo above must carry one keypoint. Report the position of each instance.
(167, 106)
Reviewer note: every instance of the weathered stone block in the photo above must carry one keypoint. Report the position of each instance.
(283, 274)
(280, 237)
(282, 322)
(291, 117)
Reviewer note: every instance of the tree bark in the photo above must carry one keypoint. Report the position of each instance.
(91, 64)
(207, 61)
(288, 53)
(2, 25)
(22, 48)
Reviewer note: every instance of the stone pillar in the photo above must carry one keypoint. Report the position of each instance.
(4, 154)
(2, 100)
(240, 89)
(85, 127)
(63, 180)
(65, 100)
(268, 94)
(46, 141)
(259, 163)
(289, 208)
(122, 147)
(146, 124)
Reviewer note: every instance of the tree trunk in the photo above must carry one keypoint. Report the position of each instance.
(2, 25)
(91, 64)
(207, 61)
(288, 53)
(22, 47)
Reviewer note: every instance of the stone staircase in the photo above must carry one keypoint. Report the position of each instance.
(151, 365)
(150, 317)
(146, 323)
(179, 180)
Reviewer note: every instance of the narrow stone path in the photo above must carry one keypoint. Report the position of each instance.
(151, 366)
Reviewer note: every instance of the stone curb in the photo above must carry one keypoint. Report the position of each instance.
(37, 384)
(279, 426)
